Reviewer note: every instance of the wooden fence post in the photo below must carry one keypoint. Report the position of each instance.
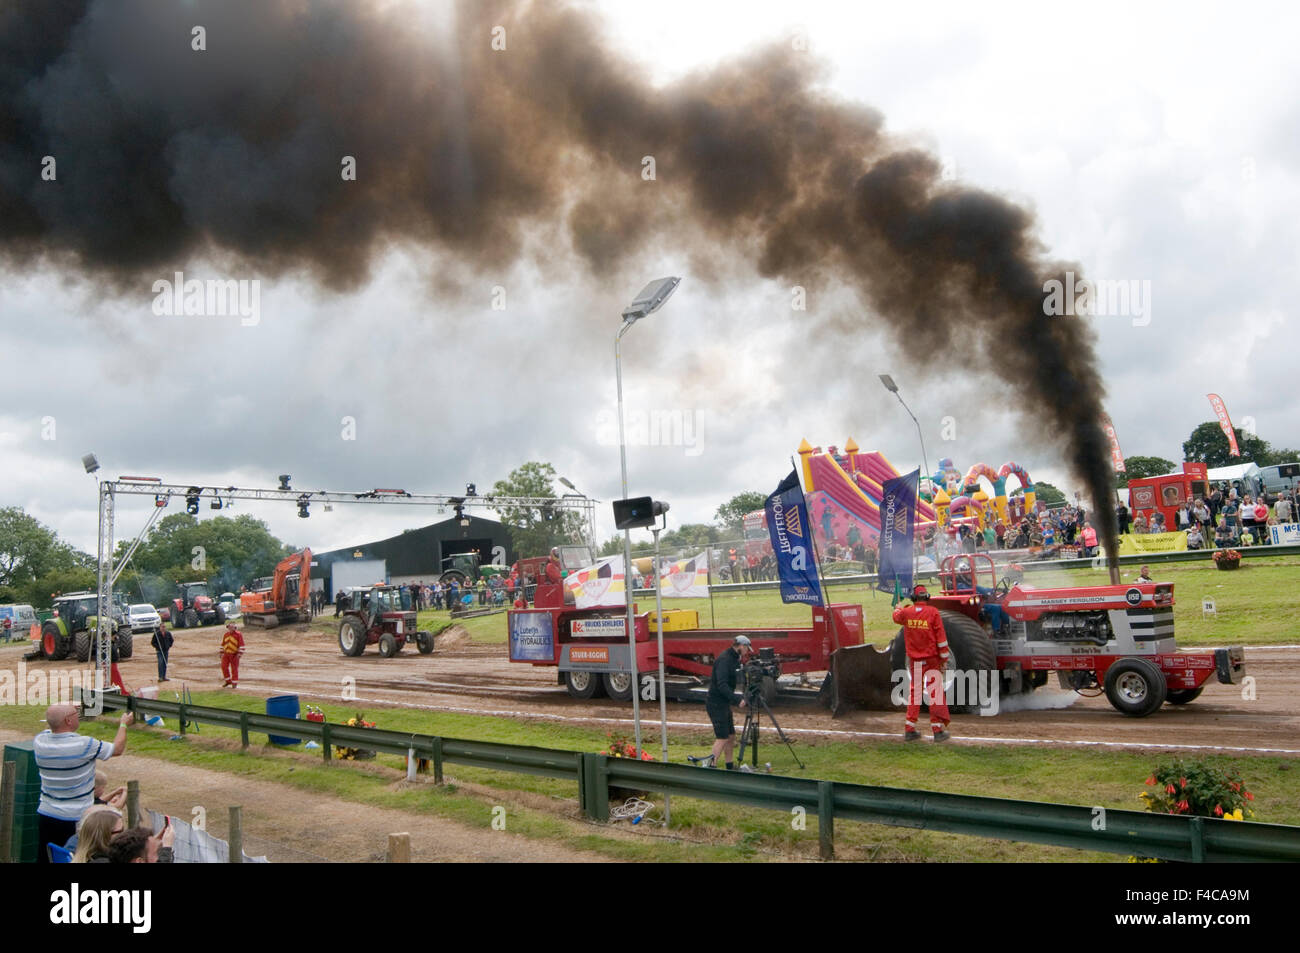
(826, 819)
(132, 803)
(236, 835)
(8, 785)
(399, 848)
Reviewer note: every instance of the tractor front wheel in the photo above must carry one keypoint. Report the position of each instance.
(1181, 696)
(1135, 687)
(388, 645)
(191, 619)
(81, 646)
(221, 616)
(125, 645)
(54, 644)
(352, 637)
(424, 642)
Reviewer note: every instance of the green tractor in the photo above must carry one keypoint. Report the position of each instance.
(72, 628)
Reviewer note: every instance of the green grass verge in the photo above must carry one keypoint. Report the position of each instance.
(545, 808)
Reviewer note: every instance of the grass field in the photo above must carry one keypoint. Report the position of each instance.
(544, 808)
(1256, 605)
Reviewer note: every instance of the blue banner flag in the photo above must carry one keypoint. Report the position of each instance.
(787, 524)
(897, 527)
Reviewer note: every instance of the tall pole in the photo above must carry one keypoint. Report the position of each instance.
(627, 541)
(924, 473)
(663, 698)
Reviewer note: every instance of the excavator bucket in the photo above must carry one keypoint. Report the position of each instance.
(860, 677)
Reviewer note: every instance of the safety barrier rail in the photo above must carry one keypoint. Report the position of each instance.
(1169, 837)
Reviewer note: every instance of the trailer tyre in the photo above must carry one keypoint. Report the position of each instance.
(584, 685)
(1181, 696)
(618, 685)
(972, 651)
(1135, 687)
(388, 646)
(352, 637)
(81, 646)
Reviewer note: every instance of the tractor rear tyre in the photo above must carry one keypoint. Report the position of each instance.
(54, 644)
(584, 685)
(388, 646)
(191, 619)
(618, 685)
(125, 645)
(972, 654)
(81, 646)
(424, 642)
(1135, 687)
(352, 637)
(1181, 696)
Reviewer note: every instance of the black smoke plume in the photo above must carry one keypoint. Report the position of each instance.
(166, 154)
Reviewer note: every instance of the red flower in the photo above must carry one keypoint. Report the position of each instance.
(1249, 796)
(1184, 806)
(1182, 782)
(1150, 780)
(1218, 810)
(1169, 789)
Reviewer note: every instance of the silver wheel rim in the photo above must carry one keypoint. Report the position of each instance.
(349, 638)
(1132, 687)
(580, 681)
(620, 681)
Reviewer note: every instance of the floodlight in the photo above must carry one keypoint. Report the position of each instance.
(651, 298)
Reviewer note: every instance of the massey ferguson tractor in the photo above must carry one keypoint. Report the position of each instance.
(380, 614)
(1116, 639)
(286, 597)
(195, 606)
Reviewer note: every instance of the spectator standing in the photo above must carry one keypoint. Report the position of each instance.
(162, 645)
(1122, 516)
(66, 761)
(1282, 509)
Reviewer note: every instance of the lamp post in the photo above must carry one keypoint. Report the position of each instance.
(650, 300)
(589, 511)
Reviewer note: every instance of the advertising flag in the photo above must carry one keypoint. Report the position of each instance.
(1116, 458)
(598, 585)
(787, 525)
(897, 527)
(686, 578)
(1225, 423)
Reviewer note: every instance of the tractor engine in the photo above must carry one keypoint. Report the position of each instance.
(1090, 627)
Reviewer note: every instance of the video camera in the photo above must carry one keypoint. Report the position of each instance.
(761, 665)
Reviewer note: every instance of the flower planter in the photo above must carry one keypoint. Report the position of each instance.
(1226, 564)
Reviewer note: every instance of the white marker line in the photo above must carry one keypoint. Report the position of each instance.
(705, 726)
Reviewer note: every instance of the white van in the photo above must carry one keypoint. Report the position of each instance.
(1280, 476)
(16, 621)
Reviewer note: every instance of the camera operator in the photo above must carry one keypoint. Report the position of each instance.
(722, 688)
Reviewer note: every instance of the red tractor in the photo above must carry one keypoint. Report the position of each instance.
(1116, 639)
(383, 615)
(195, 606)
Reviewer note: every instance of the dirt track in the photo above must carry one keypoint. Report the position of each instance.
(465, 677)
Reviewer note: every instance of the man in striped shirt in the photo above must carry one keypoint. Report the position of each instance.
(66, 761)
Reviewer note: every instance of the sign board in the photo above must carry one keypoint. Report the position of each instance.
(532, 637)
(592, 657)
(599, 628)
(1285, 534)
(1133, 544)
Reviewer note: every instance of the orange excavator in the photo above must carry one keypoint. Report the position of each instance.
(285, 599)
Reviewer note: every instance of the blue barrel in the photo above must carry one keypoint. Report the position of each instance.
(282, 706)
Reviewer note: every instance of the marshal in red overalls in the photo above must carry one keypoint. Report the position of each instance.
(927, 657)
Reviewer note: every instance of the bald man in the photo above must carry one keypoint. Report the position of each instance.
(67, 764)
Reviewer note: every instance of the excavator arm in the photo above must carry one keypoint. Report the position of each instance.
(301, 563)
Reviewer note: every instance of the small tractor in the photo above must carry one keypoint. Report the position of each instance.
(194, 606)
(71, 631)
(383, 615)
(1115, 640)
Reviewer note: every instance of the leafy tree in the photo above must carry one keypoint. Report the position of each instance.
(534, 530)
(40, 592)
(731, 515)
(1139, 468)
(30, 549)
(1209, 445)
(1048, 494)
(223, 551)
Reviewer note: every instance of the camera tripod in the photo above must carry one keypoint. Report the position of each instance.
(755, 704)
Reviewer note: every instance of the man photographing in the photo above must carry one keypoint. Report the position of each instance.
(722, 689)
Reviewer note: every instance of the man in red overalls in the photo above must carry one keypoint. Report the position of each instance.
(927, 657)
(232, 646)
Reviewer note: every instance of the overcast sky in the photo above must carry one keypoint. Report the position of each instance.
(1157, 144)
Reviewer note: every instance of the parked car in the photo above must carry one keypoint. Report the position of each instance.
(229, 603)
(16, 621)
(142, 618)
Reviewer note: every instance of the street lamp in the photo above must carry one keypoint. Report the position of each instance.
(650, 300)
(588, 508)
(893, 389)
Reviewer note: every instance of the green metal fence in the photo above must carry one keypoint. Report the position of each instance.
(1169, 837)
